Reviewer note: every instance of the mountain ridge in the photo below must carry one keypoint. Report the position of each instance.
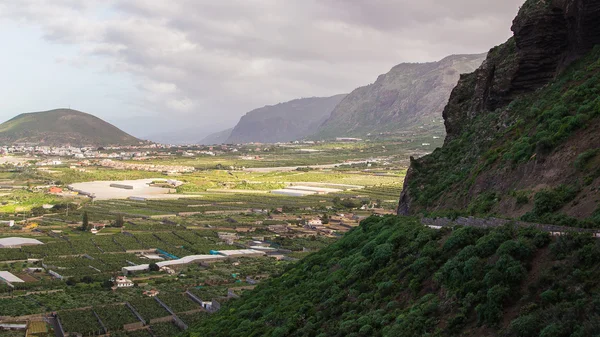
(409, 96)
(217, 137)
(284, 122)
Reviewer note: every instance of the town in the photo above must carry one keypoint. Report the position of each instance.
(132, 240)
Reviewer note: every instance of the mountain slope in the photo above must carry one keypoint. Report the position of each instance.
(396, 277)
(217, 137)
(408, 96)
(523, 130)
(284, 122)
(61, 127)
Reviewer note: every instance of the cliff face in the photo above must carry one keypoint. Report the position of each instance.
(410, 95)
(510, 127)
(284, 122)
(548, 36)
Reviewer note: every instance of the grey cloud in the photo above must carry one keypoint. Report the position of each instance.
(207, 58)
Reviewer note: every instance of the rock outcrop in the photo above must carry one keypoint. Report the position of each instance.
(490, 109)
(548, 36)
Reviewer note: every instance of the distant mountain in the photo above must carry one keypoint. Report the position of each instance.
(410, 95)
(217, 137)
(284, 122)
(62, 127)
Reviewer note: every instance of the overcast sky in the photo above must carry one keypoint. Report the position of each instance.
(150, 65)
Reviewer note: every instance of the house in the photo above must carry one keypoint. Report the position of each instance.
(278, 228)
(55, 190)
(206, 305)
(122, 282)
(229, 238)
(151, 293)
(314, 222)
(96, 227)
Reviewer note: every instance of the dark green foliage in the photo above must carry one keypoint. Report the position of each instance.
(522, 198)
(547, 202)
(153, 267)
(119, 222)
(483, 204)
(85, 224)
(395, 277)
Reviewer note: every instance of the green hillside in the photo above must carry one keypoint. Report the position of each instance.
(394, 277)
(522, 131)
(62, 127)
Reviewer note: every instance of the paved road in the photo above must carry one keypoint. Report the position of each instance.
(294, 168)
(495, 222)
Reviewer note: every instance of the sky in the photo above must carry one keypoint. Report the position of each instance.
(180, 69)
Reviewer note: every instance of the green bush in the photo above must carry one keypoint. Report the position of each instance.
(551, 200)
(583, 159)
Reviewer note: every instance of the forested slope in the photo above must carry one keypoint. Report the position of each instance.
(394, 277)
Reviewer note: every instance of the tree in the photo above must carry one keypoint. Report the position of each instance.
(119, 222)
(154, 267)
(85, 224)
(325, 219)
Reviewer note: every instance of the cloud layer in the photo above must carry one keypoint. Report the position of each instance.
(218, 59)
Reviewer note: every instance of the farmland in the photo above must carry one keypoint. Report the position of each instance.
(220, 207)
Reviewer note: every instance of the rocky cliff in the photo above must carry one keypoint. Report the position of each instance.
(522, 130)
(409, 96)
(284, 122)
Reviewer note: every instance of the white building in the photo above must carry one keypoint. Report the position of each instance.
(123, 282)
(315, 222)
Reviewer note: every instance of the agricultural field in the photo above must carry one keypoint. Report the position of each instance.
(115, 317)
(165, 329)
(225, 205)
(81, 321)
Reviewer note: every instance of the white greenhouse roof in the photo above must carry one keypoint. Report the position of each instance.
(239, 252)
(184, 260)
(9, 277)
(11, 242)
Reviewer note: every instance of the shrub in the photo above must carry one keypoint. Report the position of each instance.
(551, 200)
(584, 158)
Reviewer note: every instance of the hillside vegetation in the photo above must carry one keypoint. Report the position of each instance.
(62, 127)
(394, 277)
(552, 129)
(522, 131)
